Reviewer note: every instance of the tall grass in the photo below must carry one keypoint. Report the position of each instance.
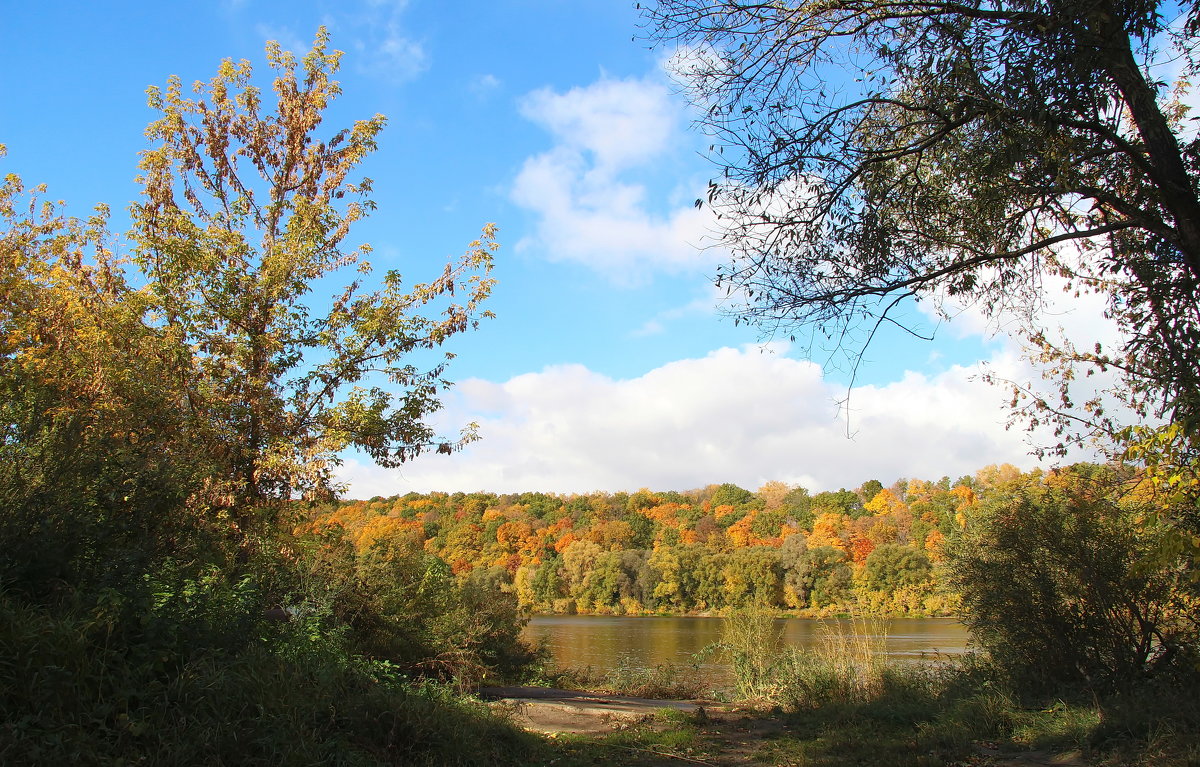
(850, 705)
(847, 665)
(753, 644)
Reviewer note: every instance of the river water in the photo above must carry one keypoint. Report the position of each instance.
(607, 642)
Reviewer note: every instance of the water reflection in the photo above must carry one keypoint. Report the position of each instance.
(607, 642)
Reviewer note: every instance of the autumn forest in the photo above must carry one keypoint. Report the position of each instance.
(875, 548)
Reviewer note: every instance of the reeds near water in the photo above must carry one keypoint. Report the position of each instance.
(847, 665)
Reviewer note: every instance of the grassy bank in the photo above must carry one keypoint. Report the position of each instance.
(76, 690)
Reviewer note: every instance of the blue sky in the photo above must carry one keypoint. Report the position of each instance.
(609, 366)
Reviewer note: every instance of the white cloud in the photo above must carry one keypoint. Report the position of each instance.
(373, 30)
(589, 191)
(745, 416)
(619, 122)
(399, 56)
(1068, 316)
(705, 304)
(381, 45)
(484, 85)
(649, 328)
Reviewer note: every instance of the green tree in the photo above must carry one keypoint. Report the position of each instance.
(730, 494)
(578, 560)
(798, 506)
(869, 490)
(819, 577)
(675, 575)
(892, 566)
(246, 210)
(766, 524)
(753, 577)
(643, 529)
(710, 579)
(617, 576)
(841, 502)
(403, 604)
(547, 583)
(95, 464)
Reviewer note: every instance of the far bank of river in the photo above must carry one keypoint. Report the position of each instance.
(605, 642)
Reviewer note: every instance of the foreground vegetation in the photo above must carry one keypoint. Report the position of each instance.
(917, 722)
(88, 685)
(166, 417)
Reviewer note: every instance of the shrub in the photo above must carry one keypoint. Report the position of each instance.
(1060, 587)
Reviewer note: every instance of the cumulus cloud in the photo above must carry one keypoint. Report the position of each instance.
(588, 192)
(619, 122)
(738, 415)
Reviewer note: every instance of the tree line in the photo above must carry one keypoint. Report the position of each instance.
(709, 549)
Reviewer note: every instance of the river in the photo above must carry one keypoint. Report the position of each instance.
(607, 642)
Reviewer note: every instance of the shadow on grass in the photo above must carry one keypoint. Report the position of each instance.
(916, 726)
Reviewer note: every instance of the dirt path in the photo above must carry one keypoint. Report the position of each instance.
(729, 737)
(550, 710)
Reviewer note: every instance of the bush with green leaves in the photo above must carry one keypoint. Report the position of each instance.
(394, 602)
(1065, 588)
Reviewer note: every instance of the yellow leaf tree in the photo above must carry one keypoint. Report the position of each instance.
(247, 208)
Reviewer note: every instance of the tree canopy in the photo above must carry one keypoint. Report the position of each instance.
(957, 152)
(245, 214)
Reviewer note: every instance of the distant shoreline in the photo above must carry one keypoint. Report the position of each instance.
(808, 615)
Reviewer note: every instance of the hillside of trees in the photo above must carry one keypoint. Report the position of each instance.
(875, 549)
